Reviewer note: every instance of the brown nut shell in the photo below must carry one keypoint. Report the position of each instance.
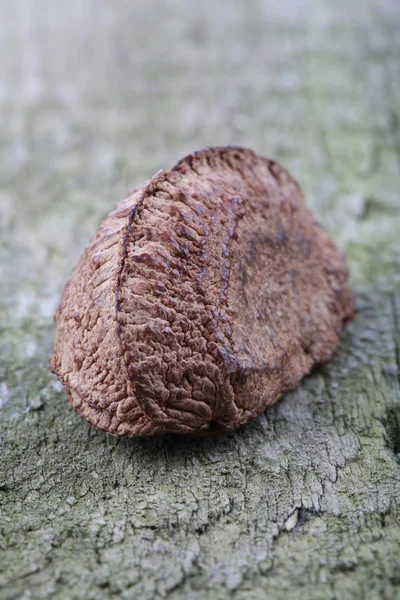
(203, 297)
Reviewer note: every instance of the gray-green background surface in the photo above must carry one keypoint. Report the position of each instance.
(95, 97)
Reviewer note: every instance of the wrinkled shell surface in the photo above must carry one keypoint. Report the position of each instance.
(203, 298)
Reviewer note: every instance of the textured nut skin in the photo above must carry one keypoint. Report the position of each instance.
(203, 298)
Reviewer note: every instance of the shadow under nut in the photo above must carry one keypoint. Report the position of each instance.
(204, 297)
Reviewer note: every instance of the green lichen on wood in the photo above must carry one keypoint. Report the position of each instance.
(304, 502)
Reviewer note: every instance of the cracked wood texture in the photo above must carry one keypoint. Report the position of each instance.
(95, 97)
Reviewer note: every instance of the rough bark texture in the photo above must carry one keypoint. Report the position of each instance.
(96, 96)
(204, 297)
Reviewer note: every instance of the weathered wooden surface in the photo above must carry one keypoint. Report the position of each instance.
(95, 97)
